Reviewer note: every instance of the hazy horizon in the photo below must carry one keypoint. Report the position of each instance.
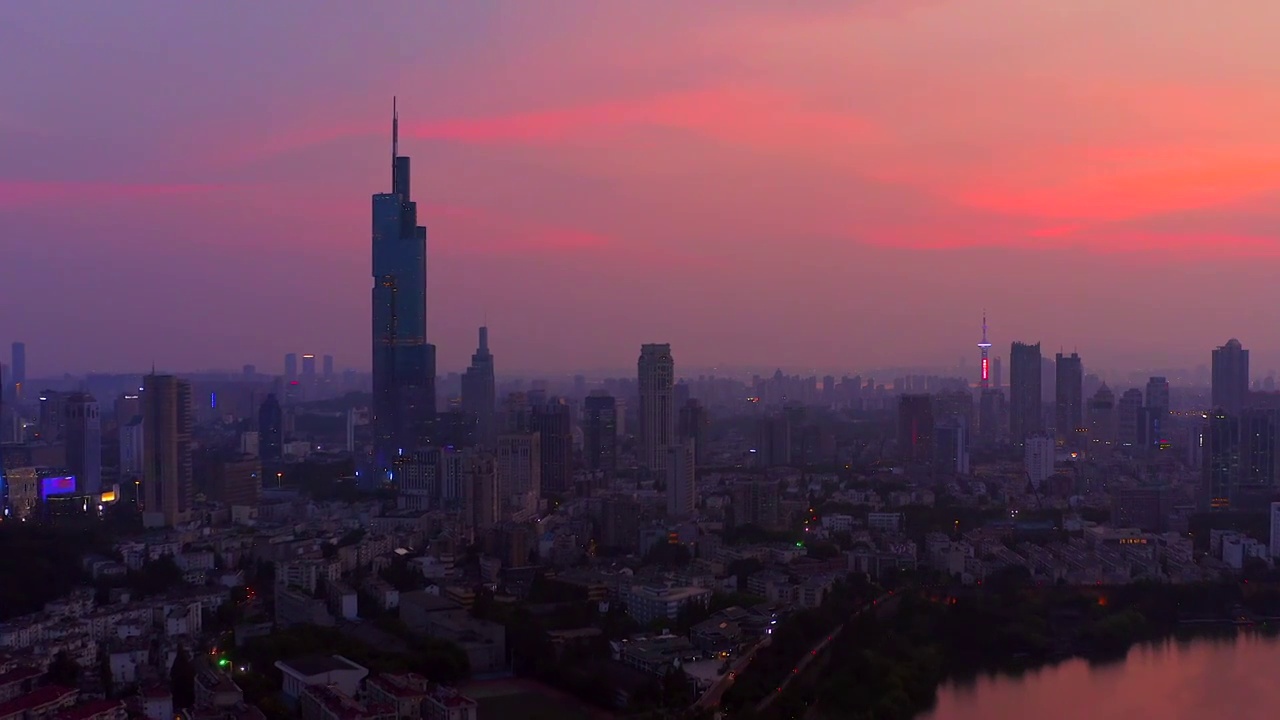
(826, 185)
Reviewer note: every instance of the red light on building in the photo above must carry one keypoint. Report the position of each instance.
(985, 369)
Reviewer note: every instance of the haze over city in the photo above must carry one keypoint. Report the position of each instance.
(836, 185)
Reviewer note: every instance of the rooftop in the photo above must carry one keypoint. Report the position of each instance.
(309, 665)
(90, 709)
(38, 698)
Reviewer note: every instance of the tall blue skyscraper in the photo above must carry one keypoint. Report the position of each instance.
(404, 363)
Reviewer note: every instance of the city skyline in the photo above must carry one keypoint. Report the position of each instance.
(792, 198)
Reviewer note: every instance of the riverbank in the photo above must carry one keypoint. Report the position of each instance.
(890, 668)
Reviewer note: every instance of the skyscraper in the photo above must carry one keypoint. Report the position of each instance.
(1069, 396)
(1024, 392)
(1158, 397)
(290, 367)
(1230, 377)
(84, 441)
(271, 434)
(691, 426)
(404, 363)
(553, 423)
(1128, 417)
(915, 428)
(19, 371)
(1221, 460)
(166, 450)
(600, 432)
(656, 380)
(682, 496)
(479, 392)
(1102, 419)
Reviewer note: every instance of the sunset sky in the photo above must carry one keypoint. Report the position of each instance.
(827, 184)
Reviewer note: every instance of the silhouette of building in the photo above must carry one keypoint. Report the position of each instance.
(479, 394)
(692, 427)
(404, 363)
(1128, 417)
(1230, 377)
(600, 432)
(271, 434)
(682, 496)
(1025, 418)
(915, 428)
(84, 441)
(656, 383)
(553, 422)
(773, 441)
(1102, 419)
(1221, 460)
(166, 450)
(18, 371)
(1068, 395)
(1157, 396)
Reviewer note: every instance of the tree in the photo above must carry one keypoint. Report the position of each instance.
(182, 680)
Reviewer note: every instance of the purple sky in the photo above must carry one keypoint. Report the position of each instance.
(843, 185)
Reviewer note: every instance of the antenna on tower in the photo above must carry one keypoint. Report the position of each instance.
(395, 139)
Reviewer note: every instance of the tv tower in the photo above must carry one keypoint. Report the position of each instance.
(985, 345)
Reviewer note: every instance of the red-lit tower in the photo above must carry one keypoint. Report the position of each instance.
(985, 346)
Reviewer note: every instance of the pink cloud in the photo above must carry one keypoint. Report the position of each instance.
(20, 194)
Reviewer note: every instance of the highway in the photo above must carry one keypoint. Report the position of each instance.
(816, 650)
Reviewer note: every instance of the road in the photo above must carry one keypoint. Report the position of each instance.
(817, 649)
(711, 698)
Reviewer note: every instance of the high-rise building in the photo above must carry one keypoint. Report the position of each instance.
(482, 498)
(328, 368)
(18, 373)
(1069, 396)
(1102, 419)
(166, 450)
(1158, 396)
(1038, 460)
(1259, 439)
(553, 422)
(991, 410)
(290, 367)
(1128, 417)
(773, 441)
(997, 373)
(951, 447)
(691, 426)
(656, 381)
(236, 480)
(682, 496)
(479, 394)
(51, 424)
(84, 441)
(271, 434)
(1230, 377)
(519, 474)
(404, 363)
(131, 448)
(600, 432)
(915, 428)
(1221, 460)
(1025, 418)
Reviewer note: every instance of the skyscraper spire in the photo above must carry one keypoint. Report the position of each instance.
(985, 345)
(395, 141)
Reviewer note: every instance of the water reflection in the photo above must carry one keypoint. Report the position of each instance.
(1228, 676)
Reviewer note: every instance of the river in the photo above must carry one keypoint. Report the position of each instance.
(1174, 680)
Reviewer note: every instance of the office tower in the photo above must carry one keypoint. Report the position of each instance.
(1038, 460)
(955, 406)
(553, 422)
(271, 434)
(1275, 530)
(328, 368)
(951, 447)
(236, 480)
(1069, 396)
(1259, 437)
(1221, 460)
(915, 428)
(84, 442)
(773, 441)
(479, 393)
(18, 371)
(404, 363)
(1024, 392)
(692, 425)
(600, 432)
(131, 449)
(1158, 396)
(480, 490)
(1128, 417)
(997, 373)
(290, 367)
(166, 450)
(309, 368)
(755, 502)
(1230, 377)
(1102, 419)
(656, 382)
(682, 496)
(51, 424)
(519, 474)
